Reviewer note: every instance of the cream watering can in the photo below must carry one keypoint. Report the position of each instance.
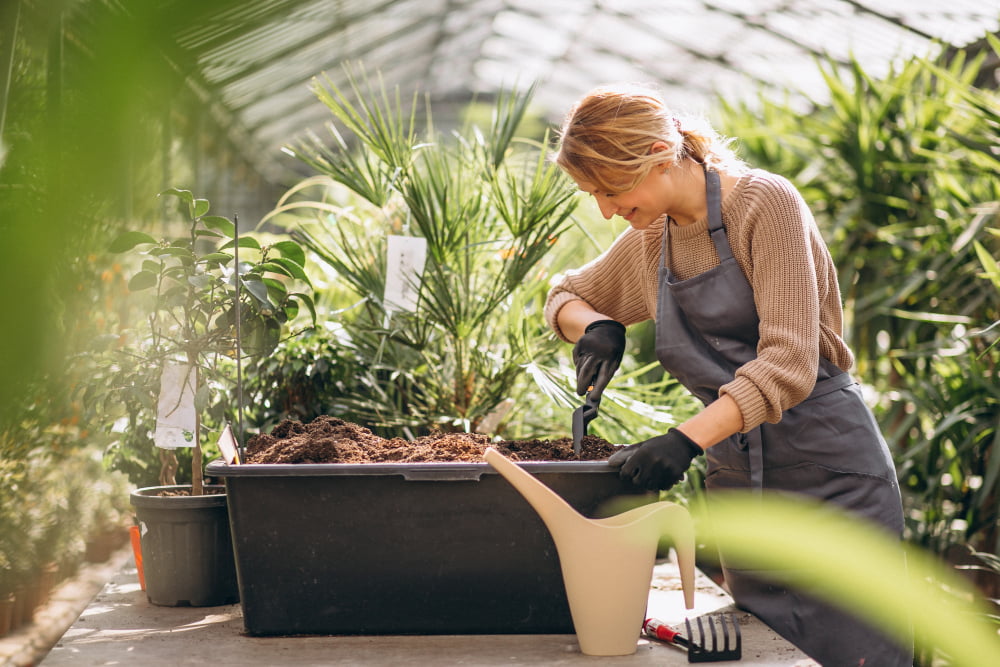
(607, 564)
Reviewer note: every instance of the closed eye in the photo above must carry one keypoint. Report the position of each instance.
(596, 193)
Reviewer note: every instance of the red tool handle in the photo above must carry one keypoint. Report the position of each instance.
(660, 630)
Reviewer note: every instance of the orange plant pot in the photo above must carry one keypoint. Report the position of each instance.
(133, 533)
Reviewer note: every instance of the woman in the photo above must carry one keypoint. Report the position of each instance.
(730, 264)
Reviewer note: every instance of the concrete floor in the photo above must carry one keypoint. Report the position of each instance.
(120, 627)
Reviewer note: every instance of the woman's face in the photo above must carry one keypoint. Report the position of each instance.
(641, 206)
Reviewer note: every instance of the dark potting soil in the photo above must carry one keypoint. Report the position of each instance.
(331, 440)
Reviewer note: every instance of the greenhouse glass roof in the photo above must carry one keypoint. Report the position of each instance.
(258, 58)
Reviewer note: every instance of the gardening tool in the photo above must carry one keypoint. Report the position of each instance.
(582, 416)
(607, 564)
(706, 648)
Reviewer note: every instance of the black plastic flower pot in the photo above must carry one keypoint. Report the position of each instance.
(421, 548)
(186, 546)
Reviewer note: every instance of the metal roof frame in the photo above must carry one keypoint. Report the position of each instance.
(253, 63)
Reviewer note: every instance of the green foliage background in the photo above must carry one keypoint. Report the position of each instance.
(902, 175)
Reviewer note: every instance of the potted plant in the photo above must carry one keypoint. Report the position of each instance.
(211, 295)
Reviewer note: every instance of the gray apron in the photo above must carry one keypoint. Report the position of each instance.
(828, 447)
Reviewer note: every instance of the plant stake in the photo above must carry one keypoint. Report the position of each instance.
(239, 361)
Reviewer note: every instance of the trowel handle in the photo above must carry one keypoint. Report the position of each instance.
(660, 630)
(590, 407)
(582, 416)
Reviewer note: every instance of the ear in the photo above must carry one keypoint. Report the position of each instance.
(661, 147)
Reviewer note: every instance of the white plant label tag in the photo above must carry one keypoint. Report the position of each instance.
(404, 266)
(228, 447)
(175, 412)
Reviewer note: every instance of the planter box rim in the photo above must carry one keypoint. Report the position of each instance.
(428, 470)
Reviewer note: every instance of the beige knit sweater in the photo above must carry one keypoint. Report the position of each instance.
(779, 248)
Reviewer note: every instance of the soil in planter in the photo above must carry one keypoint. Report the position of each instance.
(331, 440)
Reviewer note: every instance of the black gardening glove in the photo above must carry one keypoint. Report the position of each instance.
(657, 463)
(597, 355)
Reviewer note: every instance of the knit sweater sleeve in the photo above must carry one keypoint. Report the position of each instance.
(779, 241)
(620, 283)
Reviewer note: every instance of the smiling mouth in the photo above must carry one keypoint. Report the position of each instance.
(629, 215)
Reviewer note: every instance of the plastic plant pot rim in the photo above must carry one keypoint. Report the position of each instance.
(149, 497)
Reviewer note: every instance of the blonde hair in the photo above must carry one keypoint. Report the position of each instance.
(607, 136)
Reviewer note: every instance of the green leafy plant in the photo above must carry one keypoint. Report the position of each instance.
(307, 376)
(16, 554)
(922, 151)
(900, 171)
(949, 417)
(897, 170)
(191, 288)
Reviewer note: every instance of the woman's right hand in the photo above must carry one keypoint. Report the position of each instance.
(597, 355)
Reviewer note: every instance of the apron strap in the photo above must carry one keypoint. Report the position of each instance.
(713, 196)
(664, 243)
(755, 452)
(830, 385)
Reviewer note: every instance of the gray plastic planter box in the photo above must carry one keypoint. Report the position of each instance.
(420, 548)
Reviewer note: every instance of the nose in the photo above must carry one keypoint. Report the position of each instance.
(608, 207)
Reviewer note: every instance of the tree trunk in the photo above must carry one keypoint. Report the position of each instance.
(197, 481)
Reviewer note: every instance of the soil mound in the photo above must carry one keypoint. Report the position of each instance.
(331, 440)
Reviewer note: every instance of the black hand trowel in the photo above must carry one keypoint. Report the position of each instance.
(582, 416)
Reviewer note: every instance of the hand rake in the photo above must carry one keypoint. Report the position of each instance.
(716, 640)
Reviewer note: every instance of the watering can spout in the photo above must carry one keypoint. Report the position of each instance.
(663, 519)
(607, 611)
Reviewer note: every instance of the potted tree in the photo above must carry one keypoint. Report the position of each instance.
(210, 294)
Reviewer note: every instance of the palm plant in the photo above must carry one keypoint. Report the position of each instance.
(498, 219)
(489, 206)
(920, 162)
(893, 168)
(901, 173)
(950, 417)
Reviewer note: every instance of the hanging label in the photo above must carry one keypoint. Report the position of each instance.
(175, 412)
(228, 447)
(404, 266)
